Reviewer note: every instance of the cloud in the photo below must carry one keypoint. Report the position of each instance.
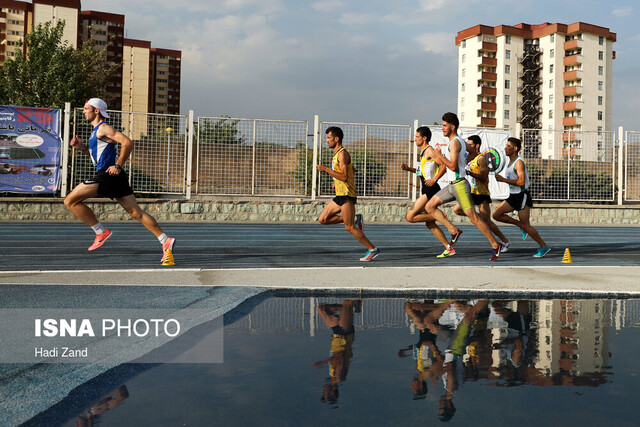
(440, 43)
(622, 12)
(328, 5)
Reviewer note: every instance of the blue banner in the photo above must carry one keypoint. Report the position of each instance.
(29, 149)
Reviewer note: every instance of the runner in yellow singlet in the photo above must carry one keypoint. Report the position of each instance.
(342, 208)
(429, 172)
(458, 188)
(478, 177)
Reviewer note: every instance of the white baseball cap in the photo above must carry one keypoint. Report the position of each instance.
(100, 105)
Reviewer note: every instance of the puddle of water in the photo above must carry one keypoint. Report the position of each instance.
(388, 360)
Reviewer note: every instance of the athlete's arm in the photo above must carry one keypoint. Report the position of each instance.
(126, 145)
(76, 143)
(343, 160)
(520, 181)
(454, 148)
(441, 171)
(404, 167)
(483, 174)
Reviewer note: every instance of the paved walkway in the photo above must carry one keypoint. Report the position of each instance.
(311, 256)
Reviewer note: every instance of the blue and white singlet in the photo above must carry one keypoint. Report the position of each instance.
(103, 153)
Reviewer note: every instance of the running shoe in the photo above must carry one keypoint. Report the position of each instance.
(542, 252)
(100, 239)
(455, 237)
(447, 253)
(496, 252)
(371, 254)
(505, 247)
(167, 245)
(524, 234)
(359, 222)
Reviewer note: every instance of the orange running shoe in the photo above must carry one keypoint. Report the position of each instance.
(100, 239)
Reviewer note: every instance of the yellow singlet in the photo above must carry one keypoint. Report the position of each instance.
(348, 187)
(477, 186)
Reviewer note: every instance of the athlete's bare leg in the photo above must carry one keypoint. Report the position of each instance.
(336, 214)
(74, 202)
(438, 215)
(482, 226)
(484, 212)
(500, 214)
(130, 204)
(418, 214)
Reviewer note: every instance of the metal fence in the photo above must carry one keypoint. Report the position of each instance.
(252, 157)
(632, 166)
(158, 164)
(570, 165)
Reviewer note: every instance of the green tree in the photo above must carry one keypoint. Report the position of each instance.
(52, 72)
(223, 131)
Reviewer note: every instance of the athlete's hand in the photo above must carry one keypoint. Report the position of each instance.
(499, 178)
(404, 167)
(430, 182)
(322, 168)
(113, 170)
(76, 142)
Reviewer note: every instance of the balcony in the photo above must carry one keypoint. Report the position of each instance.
(572, 105)
(489, 62)
(572, 90)
(573, 45)
(572, 121)
(569, 136)
(487, 122)
(573, 60)
(492, 77)
(487, 106)
(566, 152)
(572, 75)
(488, 91)
(489, 47)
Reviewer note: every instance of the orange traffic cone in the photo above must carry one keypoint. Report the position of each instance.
(567, 257)
(168, 258)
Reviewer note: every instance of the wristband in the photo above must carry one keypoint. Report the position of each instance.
(117, 166)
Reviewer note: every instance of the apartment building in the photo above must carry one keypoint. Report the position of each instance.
(146, 79)
(107, 31)
(164, 81)
(547, 76)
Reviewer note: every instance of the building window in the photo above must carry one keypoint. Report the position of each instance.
(463, 44)
(507, 99)
(551, 114)
(507, 84)
(464, 71)
(600, 70)
(601, 41)
(507, 54)
(551, 84)
(553, 37)
(551, 99)
(462, 88)
(462, 117)
(464, 57)
(507, 40)
(506, 114)
(600, 55)
(599, 115)
(462, 102)
(600, 85)
(551, 68)
(552, 52)
(599, 100)
(507, 69)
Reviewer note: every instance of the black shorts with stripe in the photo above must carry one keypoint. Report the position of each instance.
(341, 200)
(430, 191)
(479, 199)
(519, 201)
(112, 186)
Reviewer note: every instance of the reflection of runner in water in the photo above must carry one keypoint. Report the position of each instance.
(92, 415)
(429, 172)
(515, 343)
(338, 317)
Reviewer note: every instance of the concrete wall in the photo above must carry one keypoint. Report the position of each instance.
(278, 210)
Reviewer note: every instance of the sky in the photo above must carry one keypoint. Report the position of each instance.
(361, 61)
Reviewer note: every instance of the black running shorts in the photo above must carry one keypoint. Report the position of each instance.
(112, 186)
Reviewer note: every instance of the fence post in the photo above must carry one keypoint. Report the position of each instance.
(314, 171)
(569, 167)
(189, 153)
(66, 136)
(366, 135)
(621, 143)
(414, 150)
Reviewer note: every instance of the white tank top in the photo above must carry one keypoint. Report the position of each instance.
(510, 173)
(462, 161)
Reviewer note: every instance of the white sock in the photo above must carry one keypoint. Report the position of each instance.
(162, 238)
(99, 228)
